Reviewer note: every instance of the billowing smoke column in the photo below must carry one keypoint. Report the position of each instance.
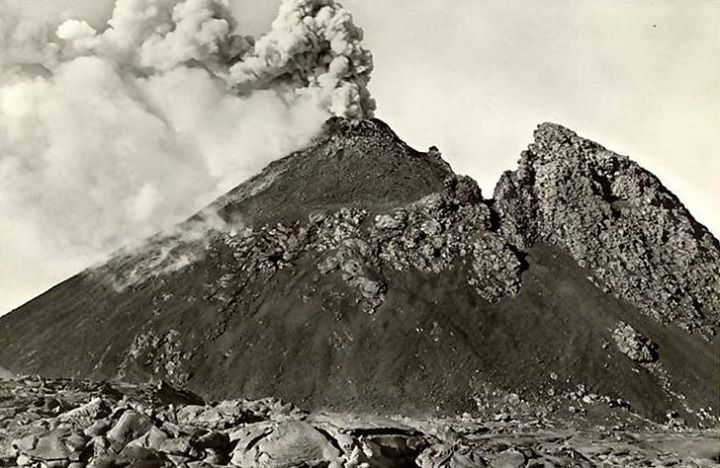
(316, 42)
(110, 135)
(313, 50)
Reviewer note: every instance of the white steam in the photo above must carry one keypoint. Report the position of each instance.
(108, 135)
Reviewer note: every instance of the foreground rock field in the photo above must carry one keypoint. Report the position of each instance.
(71, 423)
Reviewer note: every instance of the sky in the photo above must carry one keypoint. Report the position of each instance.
(641, 78)
(475, 78)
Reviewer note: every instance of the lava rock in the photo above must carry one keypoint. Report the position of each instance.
(633, 344)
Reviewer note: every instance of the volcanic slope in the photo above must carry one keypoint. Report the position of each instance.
(361, 275)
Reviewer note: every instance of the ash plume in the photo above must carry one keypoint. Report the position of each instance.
(110, 134)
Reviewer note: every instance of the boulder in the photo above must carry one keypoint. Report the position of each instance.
(213, 440)
(130, 426)
(207, 417)
(290, 443)
(86, 414)
(158, 441)
(510, 458)
(62, 444)
(633, 344)
(138, 457)
(450, 456)
(99, 427)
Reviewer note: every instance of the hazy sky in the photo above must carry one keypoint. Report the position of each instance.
(475, 77)
(642, 78)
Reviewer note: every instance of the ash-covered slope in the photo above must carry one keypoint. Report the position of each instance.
(362, 275)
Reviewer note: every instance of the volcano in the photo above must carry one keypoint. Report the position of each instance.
(361, 275)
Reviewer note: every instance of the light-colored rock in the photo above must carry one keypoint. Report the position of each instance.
(61, 443)
(86, 414)
(289, 443)
(99, 427)
(450, 456)
(24, 444)
(633, 344)
(247, 435)
(206, 417)
(6, 374)
(130, 426)
(387, 222)
(510, 458)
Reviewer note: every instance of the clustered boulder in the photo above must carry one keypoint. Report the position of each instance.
(63, 423)
(435, 233)
(633, 344)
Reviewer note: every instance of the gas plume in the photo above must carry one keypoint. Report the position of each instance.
(110, 134)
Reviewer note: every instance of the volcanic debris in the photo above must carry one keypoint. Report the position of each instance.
(70, 424)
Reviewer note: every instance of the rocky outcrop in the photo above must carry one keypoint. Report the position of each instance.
(633, 344)
(434, 234)
(156, 426)
(618, 221)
